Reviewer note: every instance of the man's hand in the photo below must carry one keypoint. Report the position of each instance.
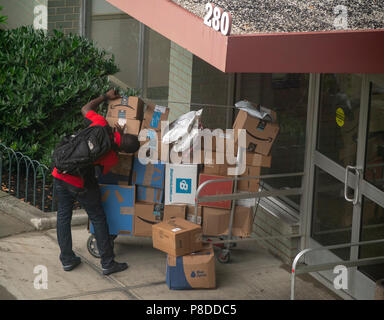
(120, 129)
(112, 94)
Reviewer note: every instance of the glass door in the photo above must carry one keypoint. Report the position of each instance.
(348, 181)
(372, 185)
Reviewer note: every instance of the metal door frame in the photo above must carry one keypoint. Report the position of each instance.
(314, 158)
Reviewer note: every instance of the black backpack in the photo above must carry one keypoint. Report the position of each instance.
(76, 153)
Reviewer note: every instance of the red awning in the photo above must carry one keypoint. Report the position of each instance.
(360, 51)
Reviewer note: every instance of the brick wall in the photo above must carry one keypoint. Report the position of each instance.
(266, 224)
(180, 80)
(64, 15)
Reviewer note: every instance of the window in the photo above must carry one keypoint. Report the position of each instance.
(118, 33)
(156, 69)
(287, 95)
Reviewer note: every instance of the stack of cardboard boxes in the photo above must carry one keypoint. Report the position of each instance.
(260, 135)
(190, 264)
(158, 200)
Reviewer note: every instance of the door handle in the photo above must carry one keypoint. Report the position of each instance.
(355, 198)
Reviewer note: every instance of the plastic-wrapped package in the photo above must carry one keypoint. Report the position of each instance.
(183, 131)
(254, 110)
(188, 140)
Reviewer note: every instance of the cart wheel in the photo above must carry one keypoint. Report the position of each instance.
(224, 256)
(92, 246)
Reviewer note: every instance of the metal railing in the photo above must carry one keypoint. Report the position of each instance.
(328, 266)
(17, 163)
(244, 195)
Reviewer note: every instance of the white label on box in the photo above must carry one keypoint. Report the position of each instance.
(160, 109)
(191, 218)
(176, 229)
(180, 184)
(122, 122)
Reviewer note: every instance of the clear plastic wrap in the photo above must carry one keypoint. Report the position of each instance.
(254, 110)
(183, 131)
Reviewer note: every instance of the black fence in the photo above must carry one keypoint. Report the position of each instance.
(26, 179)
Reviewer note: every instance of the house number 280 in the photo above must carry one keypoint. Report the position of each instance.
(217, 19)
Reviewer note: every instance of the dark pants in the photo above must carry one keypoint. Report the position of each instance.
(90, 200)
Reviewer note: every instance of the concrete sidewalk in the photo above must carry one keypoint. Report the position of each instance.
(252, 274)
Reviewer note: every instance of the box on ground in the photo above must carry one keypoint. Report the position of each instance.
(174, 210)
(216, 221)
(149, 195)
(215, 188)
(118, 203)
(191, 214)
(153, 116)
(148, 175)
(177, 237)
(180, 183)
(192, 271)
(132, 126)
(126, 108)
(260, 134)
(146, 215)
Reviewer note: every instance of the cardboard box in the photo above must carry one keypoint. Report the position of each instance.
(218, 140)
(216, 169)
(153, 116)
(119, 174)
(116, 179)
(215, 188)
(242, 222)
(192, 271)
(216, 221)
(258, 160)
(177, 237)
(260, 134)
(175, 210)
(149, 195)
(191, 214)
(132, 126)
(148, 175)
(118, 203)
(124, 166)
(126, 108)
(146, 215)
(152, 144)
(180, 183)
(249, 185)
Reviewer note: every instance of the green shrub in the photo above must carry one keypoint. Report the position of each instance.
(44, 82)
(3, 19)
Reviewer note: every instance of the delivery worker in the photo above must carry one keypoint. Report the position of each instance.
(85, 190)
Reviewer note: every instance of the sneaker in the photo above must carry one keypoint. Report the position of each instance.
(115, 267)
(73, 265)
